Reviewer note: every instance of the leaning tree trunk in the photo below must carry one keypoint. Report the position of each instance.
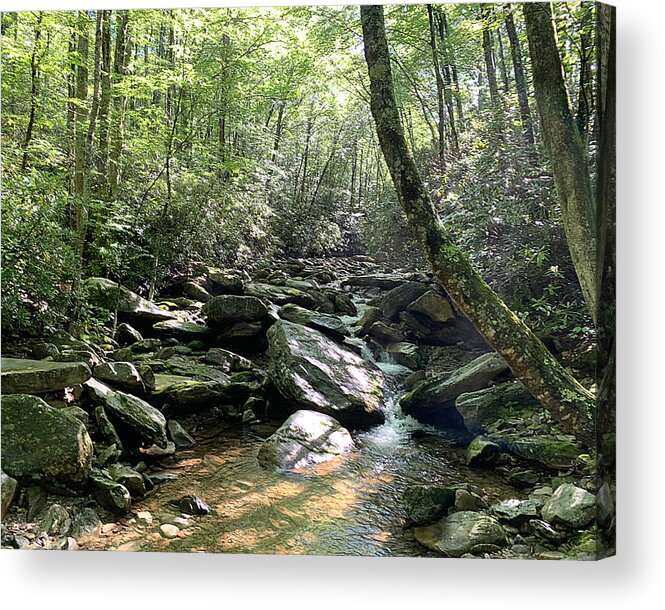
(564, 145)
(556, 389)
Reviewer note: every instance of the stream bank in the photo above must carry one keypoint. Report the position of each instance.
(212, 374)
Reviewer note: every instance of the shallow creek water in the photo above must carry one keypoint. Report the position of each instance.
(349, 506)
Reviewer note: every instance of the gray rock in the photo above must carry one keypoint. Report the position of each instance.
(406, 354)
(136, 415)
(323, 376)
(461, 533)
(434, 305)
(22, 376)
(399, 298)
(385, 281)
(196, 292)
(86, 525)
(128, 477)
(112, 496)
(369, 317)
(42, 444)
(37, 498)
(184, 394)
(7, 491)
(605, 504)
(281, 295)
(305, 438)
(169, 530)
(179, 435)
(126, 334)
(227, 360)
(44, 350)
(515, 511)
(107, 429)
(228, 309)
(77, 413)
(191, 505)
(106, 293)
(425, 504)
(326, 323)
(181, 330)
(444, 389)
(145, 345)
(571, 506)
(225, 281)
(482, 408)
(552, 453)
(57, 521)
(481, 451)
(385, 333)
(124, 375)
(542, 529)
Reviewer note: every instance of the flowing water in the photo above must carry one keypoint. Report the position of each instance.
(351, 505)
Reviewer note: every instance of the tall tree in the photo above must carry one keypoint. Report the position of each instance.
(555, 388)
(439, 88)
(520, 80)
(564, 146)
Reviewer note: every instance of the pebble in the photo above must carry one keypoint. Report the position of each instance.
(145, 516)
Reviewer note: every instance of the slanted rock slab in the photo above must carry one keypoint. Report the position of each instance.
(22, 376)
(320, 375)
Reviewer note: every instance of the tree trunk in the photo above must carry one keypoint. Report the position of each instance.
(520, 80)
(447, 83)
(490, 64)
(564, 146)
(568, 402)
(102, 162)
(439, 89)
(121, 63)
(34, 83)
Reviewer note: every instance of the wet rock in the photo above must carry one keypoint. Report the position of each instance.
(128, 477)
(106, 293)
(181, 330)
(434, 305)
(191, 505)
(179, 435)
(57, 521)
(425, 504)
(227, 360)
(21, 376)
(481, 451)
(124, 375)
(45, 350)
(307, 437)
(552, 453)
(476, 375)
(414, 379)
(322, 376)
(462, 532)
(515, 511)
(126, 334)
(228, 309)
(135, 415)
(42, 444)
(482, 408)
(86, 525)
(112, 496)
(326, 323)
(571, 506)
(405, 354)
(7, 491)
(369, 317)
(385, 333)
(399, 298)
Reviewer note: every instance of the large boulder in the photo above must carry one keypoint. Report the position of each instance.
(443, 390)
(43, 444)
(434, 305)
(21, 376)
(326, 323)
(550, 452)
(323, 376)
(281, 295)
(305, 438)
(185, 394)
(463, 532)
(399, 298)
(131, 416)
(570, 505)
(228, 309)
(426, 504)
(483, 407)
(106, 293)
(385, 281)
(125, 375)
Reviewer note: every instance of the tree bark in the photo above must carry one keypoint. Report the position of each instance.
(568, 402)
(439, 89)
(490, 64)
(564, 145)
(102, 162)
(34, 84)
(520, 80)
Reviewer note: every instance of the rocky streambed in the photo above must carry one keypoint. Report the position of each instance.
(318, 407)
